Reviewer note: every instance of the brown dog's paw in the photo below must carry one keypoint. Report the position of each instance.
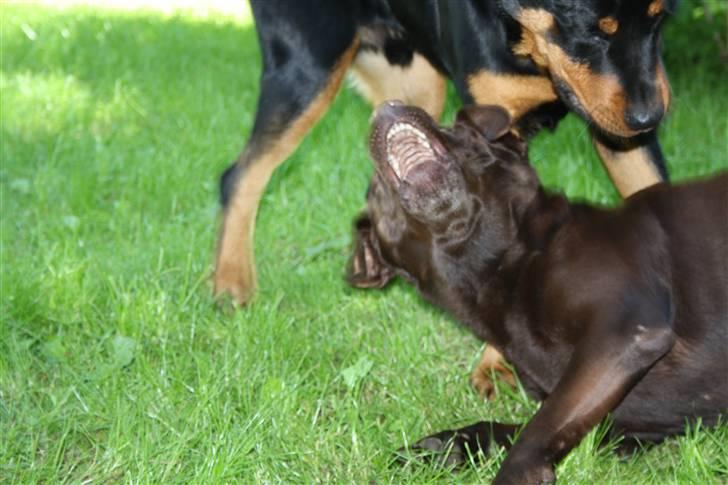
(491, 363)
(449, 449)
(455, 448)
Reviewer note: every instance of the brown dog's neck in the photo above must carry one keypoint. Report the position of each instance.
(543, 218)
(546, 214)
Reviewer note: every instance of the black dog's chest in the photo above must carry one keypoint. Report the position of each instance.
(440, 28)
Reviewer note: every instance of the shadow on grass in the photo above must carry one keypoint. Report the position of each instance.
(136, 80)
(172, 53)
(169, 55)
(121, 90)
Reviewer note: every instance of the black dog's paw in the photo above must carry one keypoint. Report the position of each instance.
(450, 449)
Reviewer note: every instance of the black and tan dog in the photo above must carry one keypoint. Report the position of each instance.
(539, 59)
(621, 311)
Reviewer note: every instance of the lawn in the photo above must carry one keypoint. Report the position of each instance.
(115, 365)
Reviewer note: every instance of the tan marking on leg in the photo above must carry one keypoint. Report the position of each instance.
(418, 84)
(491, 362)
(235, 272)
(630, 170)
(516, 93)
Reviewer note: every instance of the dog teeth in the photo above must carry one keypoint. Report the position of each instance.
(407, 128)
(406, 147)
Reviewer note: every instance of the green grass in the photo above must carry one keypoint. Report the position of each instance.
(114, 363)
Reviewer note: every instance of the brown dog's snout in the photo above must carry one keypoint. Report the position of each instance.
(385, 108)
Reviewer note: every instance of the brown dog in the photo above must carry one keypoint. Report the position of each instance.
(620, 311)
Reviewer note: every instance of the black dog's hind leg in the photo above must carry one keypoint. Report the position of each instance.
(633, 165)
(305, 54)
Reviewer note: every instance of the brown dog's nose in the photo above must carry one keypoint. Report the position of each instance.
(641, 118)
(385, 107)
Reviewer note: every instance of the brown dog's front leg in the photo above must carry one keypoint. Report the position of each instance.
(604, 367)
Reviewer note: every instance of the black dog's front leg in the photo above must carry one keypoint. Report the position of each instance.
(634, 164)
(604, 367)
(451, 447)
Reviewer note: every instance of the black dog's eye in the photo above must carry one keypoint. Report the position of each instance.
(590, 45)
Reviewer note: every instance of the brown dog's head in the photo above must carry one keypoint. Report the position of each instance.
(440, 197)
(603, 56)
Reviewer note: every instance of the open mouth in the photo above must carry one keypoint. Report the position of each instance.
(407, 147)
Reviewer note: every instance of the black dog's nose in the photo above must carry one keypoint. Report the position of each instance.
(641, 119)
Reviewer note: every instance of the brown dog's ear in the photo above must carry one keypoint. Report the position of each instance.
(490, 121)
(366, 268)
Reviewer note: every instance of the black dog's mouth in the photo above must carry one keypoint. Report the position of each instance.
(403, 139)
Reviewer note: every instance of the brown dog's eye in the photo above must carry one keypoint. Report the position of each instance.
(608, 25)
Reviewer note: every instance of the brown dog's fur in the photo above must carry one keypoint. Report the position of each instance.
(621, 311)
